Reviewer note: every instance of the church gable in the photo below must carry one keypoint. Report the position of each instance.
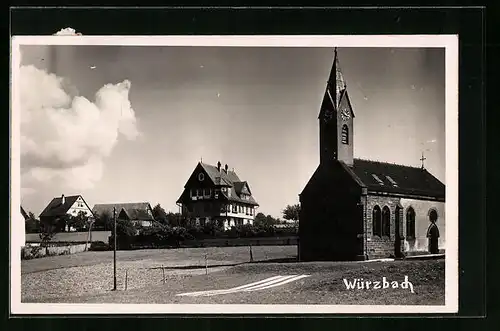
(346, 102)
(332, 177)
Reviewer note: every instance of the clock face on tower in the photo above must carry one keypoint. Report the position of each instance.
(345, 113)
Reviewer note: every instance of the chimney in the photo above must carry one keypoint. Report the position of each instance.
(218, 165)
(63, 199)
(225, 168)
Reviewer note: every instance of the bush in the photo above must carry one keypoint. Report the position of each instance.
(99, 246)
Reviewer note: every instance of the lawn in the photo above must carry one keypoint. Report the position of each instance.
(325, 285)
(88, 273)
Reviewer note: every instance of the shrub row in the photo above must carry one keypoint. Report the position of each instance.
(163, 235)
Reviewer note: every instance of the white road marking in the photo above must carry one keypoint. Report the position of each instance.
(283, 282)
(256, 286)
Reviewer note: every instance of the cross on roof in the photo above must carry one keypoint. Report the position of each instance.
(423, 159)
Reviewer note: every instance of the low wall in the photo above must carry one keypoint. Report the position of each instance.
(32, 252)
(71, 237)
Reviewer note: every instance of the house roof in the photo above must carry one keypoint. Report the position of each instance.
(396, 178)
(23, 212)
(134, 210)
(220, 177)
(229, 179)
(56, 208)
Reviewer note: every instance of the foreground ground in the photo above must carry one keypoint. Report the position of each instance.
(88, 278)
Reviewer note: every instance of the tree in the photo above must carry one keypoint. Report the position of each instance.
(159, 214)
(103, 220)
(265, 221)
(292, 212)
(79, 222)
(32, 225)
(174, 219)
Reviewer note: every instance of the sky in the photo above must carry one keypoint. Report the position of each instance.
(129, 124)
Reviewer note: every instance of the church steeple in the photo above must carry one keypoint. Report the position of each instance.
(336, 118)
(336, 81)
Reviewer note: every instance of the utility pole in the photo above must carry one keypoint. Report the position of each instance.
(114, 250)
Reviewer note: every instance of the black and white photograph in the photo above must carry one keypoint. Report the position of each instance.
(306, 174)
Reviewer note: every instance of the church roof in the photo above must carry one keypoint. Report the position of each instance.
(396, 178)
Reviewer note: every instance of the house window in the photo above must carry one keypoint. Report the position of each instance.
(410, 223)
(377, 221)
(207, 192)
(433, 216)
(235, 209)
(386, 222)
(345, 134)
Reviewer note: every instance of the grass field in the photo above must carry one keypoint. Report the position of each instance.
(88, 278)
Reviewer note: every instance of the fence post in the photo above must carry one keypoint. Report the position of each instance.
(251, 254)
(126, 279)
(206, 264)
(163, 272)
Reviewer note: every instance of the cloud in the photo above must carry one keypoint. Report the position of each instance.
(66, 137)
(66, 32)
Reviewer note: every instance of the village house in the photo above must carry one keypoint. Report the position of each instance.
(360, 209)
(24, 214)
(139, 213)
(63, 206)
(216, 194)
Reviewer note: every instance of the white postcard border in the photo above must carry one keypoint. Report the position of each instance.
(449, 42)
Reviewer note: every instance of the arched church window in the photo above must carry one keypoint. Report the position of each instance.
(377, 221)
(433, 216)
(410, 223)
(345, 134)
(386, 222)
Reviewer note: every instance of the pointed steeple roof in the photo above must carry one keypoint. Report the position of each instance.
(336, 81)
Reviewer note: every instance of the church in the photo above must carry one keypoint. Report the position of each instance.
(355, 209)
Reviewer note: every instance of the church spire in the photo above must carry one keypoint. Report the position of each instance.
(336, 81)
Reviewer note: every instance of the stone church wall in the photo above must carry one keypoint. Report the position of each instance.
(378, 247)
(422, 222)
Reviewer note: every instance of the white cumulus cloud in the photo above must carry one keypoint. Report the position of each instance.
(66, 32)
(66, 138)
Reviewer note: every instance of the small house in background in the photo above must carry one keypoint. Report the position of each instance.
(25, 215)
(64, 206)
(140, 213)
(216, 194)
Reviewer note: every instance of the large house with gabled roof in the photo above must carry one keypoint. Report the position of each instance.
(216, 194)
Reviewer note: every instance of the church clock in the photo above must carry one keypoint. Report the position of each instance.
(345, 113)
